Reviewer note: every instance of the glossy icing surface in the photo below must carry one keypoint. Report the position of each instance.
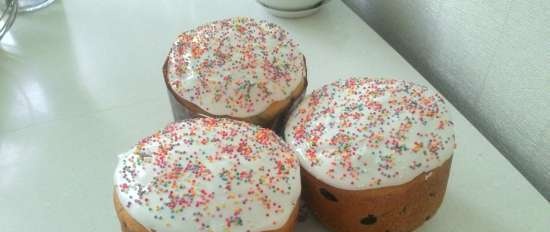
(362, 133)
(209, 175)
(236, 67)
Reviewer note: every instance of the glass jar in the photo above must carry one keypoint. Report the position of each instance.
(8, 11)
(32, 5)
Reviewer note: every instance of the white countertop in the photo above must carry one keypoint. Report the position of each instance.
(80, 82)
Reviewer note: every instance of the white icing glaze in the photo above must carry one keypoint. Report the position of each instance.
(361, 133)
(209, 175)
(236, 67)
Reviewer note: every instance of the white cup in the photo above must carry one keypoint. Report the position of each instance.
(290, 5)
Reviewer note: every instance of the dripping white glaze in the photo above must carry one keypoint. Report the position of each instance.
(362, 133)
(209, 175)
(236, 67)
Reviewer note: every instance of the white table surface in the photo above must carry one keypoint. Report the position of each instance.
(80, 82)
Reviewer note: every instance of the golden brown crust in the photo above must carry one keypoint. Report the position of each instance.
(268, 118)
(398, 208)
(129, 224)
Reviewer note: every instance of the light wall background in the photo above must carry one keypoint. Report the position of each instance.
(490, 58)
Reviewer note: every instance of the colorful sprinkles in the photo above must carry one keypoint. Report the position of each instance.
(363, 133)
(209, 175)
(235, 67)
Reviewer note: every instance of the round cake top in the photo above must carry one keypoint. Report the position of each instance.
(236, 67)
(209, 174)
(360, 134)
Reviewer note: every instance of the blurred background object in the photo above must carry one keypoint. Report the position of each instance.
(292, 8)
(32, 5)
(10, 8)
(290, 5)
(8, 11)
